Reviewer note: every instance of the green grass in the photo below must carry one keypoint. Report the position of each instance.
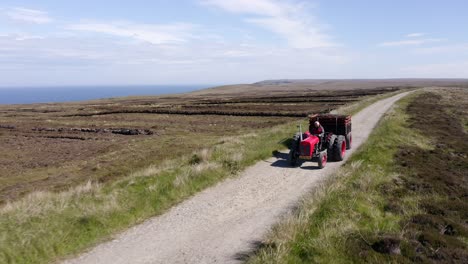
(347, 214)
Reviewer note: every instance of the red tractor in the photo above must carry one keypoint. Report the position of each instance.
(333, 145)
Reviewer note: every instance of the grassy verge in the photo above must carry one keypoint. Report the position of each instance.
(389, 203)
(46, 226)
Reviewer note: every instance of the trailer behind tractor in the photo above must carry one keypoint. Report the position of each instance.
(333, 145)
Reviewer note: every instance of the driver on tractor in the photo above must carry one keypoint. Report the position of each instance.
(318, 131)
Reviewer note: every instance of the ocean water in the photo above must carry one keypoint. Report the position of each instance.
(28, 95)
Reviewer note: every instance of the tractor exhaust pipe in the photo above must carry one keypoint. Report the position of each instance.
(300, 131)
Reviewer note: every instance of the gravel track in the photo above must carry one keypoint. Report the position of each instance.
(224, 222)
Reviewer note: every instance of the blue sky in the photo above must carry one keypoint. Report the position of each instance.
(228, 41)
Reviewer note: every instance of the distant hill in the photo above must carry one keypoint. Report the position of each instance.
(273, 87)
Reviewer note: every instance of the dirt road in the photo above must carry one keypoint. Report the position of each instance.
(222, 223)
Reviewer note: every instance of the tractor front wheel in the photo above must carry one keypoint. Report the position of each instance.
(293, 155)
(322, 159)
(292, 158)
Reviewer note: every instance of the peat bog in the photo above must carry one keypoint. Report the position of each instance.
(439, 233)
(56, 146)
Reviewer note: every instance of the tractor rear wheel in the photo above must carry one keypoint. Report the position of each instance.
(339, 149)
(331, 143)
(349, 140)
(322, 159)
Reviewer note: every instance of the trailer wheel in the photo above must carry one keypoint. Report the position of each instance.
(349, 140)
(339, 149)
(331, 143)
(322, 159)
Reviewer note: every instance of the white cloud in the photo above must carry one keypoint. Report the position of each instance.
(412, 39)
(257, 7)
(21, 36)
(29, 15)
(237, 53)
(415, 35)
(409, 42)
(87, 59)
(460, 49)
(152, 33)
(30, 50)
(97, 51)
(286, 19)
(439, 70)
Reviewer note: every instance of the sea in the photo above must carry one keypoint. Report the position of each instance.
(29, 95)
